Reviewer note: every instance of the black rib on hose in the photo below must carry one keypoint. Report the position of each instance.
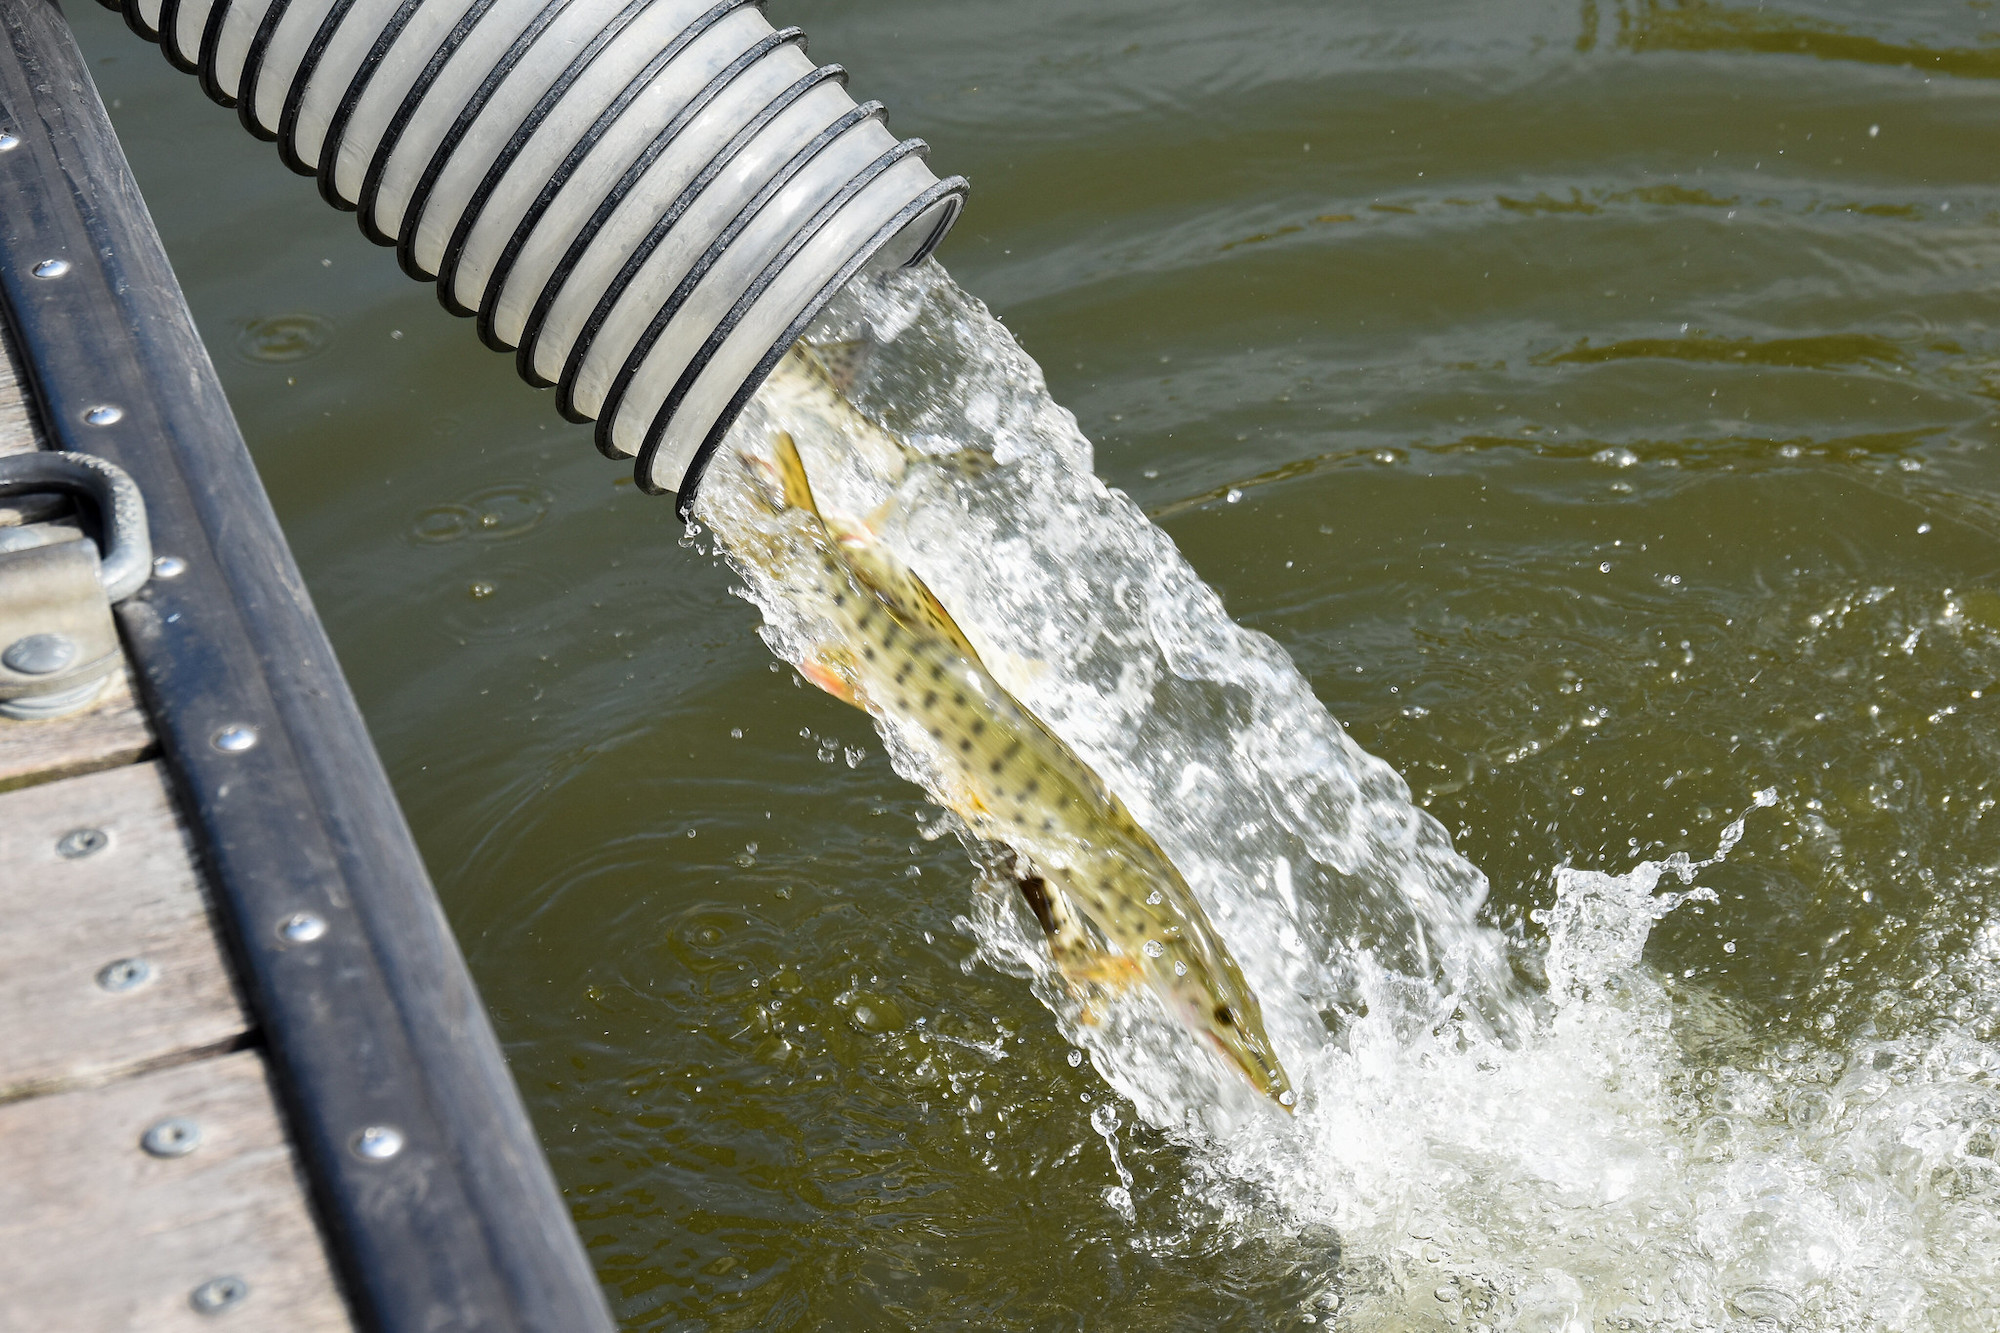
(253, 68)
(328, 171)
(211, 45)
(622, 381)
(420, 194)
(524, 359)
(295, 95)
(168, 36)
(447, 276)
(503, 267)
(129, 11)
(608, 298)
(392, 133)
(949, 187)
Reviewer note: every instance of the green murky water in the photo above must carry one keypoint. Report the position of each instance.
(1598, 402)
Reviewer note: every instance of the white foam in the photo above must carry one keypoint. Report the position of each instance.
(1592, 1155)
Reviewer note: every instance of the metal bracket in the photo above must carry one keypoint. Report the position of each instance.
(58, 646)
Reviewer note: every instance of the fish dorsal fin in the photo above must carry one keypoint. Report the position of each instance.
(792, 475)
(841, 362)
(908, 598)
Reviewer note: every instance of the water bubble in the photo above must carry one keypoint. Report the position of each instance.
(1154, 948)
(480, 590)
(1616, 457)
(285, 339)
(1235, 494)
(1075, 1058)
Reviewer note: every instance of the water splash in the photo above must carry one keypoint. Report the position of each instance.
(1598, 1147)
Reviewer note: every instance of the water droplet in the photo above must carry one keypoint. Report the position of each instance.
(1180, 968)
(480, 590)
(1075, 1059)
(1619, 458)
(1154, 948)
(1235, 494)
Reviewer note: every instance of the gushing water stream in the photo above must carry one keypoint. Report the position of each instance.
(1498, 1129)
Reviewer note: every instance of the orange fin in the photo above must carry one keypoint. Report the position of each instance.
(831, 675)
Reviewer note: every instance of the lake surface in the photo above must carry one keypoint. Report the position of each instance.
(1596, 400)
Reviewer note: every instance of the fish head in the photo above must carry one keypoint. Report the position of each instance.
(1234, 1026)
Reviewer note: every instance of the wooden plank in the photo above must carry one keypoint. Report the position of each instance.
(20, 429)
(99, 1236)
(111, 732)
(64, 919)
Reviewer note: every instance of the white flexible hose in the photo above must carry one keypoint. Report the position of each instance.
(646, 200)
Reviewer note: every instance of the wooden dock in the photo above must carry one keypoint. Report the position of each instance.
(246, 1080)
(147, 1178)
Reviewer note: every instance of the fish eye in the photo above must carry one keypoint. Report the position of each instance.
(1224, 1016)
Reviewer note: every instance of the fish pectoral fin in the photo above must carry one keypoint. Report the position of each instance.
(833, 671)
(1086, 966)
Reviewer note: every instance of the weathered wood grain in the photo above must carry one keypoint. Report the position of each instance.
(20, 430)
(110, 732)
(99, 1236)
(64, 919)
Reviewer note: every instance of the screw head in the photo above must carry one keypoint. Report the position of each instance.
(104, 415)
(301, 928)
(39, 654)
(219, 1294)
(234, 739)
(51, 268)
(378, 1143)
(176, 1136)
(81, 842)
(168, 566)
(126, 974)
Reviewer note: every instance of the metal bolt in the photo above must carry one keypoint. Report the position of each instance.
(104, 415)
(301, 928)
(169, 566)
(219, 1294)
(8, 142)
(378, 1143)
(51, 268)
(39, 654)
(176, 1136)
(124, 975)
(234, 739)
(81, 842)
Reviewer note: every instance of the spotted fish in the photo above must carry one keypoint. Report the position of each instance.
(1113, 906)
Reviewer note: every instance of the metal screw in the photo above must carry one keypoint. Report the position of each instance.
(81, 842)
(125, 974)
(301, 928)
(219, 1294)
(8, 142)
(378, 1143)
(169, 566)
(51, 268)
(104, 415)
(39, 654)
(176, 1136)
(235, 738)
